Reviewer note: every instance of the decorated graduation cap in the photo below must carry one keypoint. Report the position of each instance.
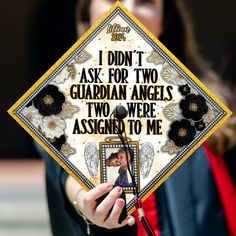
(119, 107)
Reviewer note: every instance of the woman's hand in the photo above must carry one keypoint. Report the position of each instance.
(105, 214)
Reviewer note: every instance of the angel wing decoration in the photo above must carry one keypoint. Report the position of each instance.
(91, 156)
(146, 155)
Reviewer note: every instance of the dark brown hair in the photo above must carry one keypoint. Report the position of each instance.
(110, 158)
(178, 37)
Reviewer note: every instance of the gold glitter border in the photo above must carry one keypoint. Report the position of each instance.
(163, 48)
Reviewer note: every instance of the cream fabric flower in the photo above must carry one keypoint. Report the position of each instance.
(61, 77)
(33, 116)
(53, 126)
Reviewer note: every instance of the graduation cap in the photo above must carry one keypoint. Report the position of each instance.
(119, 87)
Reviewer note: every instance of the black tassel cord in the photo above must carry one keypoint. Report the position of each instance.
(138, 203)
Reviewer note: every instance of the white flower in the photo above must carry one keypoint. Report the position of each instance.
(32, 115)
(61, 77)
(53, 126)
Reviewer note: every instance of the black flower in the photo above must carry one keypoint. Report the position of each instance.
(184, 89)
(182, 132)
(200, 125)
(58, 142)
(194, 107)
(49, 101)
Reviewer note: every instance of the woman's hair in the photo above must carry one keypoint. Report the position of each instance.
(179, 38)
(110, 158)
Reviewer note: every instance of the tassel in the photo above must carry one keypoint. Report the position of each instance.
(143, 218)
(138, 204)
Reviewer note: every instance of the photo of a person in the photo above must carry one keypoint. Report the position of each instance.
(113, 160)
(122, 179)
(117, 168)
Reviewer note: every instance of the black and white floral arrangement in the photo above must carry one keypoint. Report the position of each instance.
(47, 112)
(49, 108)
(190, 116)
(193, 107)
